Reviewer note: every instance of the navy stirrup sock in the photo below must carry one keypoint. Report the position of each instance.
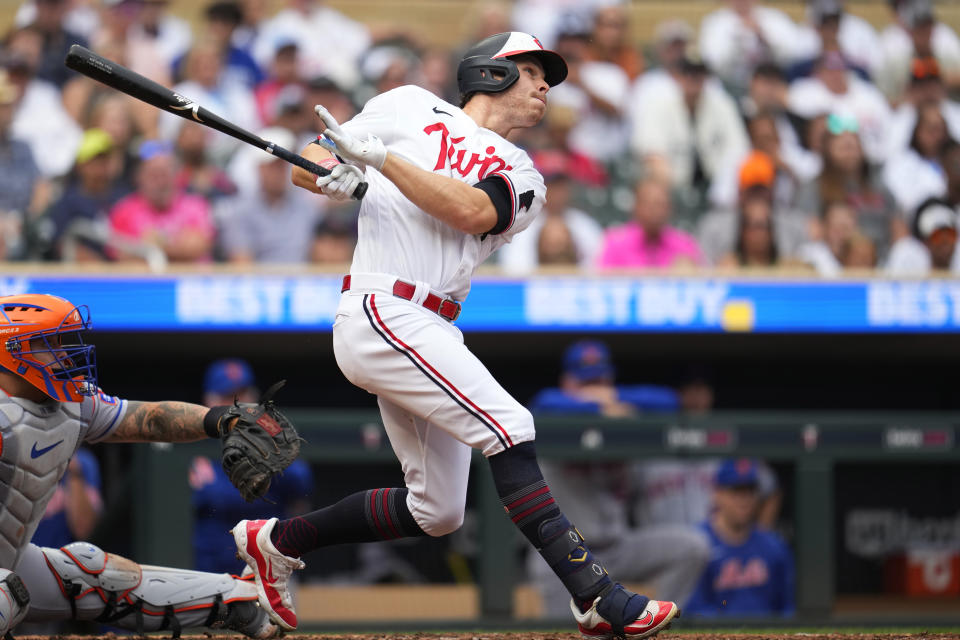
(527, 500)
(366, 516)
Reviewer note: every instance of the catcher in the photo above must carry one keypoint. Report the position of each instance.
(49, 405)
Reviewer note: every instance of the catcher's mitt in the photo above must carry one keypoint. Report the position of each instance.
(260, 444)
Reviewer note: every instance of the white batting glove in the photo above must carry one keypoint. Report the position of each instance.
(334, 139)
(340, 182)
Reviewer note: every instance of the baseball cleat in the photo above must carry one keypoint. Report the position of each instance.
(271, 569)
(651, 620)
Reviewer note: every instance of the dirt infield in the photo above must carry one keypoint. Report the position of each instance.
(539, 635)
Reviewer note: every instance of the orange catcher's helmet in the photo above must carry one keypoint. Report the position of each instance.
(42, 343)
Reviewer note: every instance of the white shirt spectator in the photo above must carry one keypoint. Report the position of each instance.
(904, 121)
(153, 55)
(42, 122)
(810, 97)
(330, 43)
(716, 133)
(732, 50)
(911, 179)
(859, 43)
(542, 18)
(519, 257)
(596, 134)
(898, 52)
(648, 83)
(910, 257)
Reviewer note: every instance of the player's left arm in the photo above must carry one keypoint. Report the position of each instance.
(167, 421)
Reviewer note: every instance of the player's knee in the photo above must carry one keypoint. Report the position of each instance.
(442, 522)
(15, 601)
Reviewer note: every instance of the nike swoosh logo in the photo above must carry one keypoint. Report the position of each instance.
(647, 619)
(36, 453)
(435, 110)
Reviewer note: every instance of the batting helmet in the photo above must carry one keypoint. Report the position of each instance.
(490, 58)
(42, 343)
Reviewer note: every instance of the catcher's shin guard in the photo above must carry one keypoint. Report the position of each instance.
(14, 601)
(116, 591)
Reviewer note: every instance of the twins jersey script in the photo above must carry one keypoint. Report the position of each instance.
(394, 236)
(753, 578)
(36, 444)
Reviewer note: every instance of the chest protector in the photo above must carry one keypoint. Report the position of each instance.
(36, 443)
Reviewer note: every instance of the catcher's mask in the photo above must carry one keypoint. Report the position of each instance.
(42, 343)
(487, 67)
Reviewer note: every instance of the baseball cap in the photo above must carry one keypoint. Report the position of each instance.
(228, 376)
(552, 164)
(923, 69)
(150, 149)
(934, 215)
(673, 30)
(915, 13)
(95, 142)
(588, 360)
(757, 170)
(737, 472)
(822, 10)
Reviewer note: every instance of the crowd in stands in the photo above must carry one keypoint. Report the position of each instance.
(749, 140)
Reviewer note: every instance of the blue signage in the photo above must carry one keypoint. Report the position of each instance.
(658, 304)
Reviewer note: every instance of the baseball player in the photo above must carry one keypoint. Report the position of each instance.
(49, 405)
(447, 188)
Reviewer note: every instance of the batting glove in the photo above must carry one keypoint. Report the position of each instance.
(334, 139)
(340, 183)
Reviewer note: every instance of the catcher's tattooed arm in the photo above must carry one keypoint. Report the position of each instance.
(160, 422)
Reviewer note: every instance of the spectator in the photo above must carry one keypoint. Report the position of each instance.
(437, 74)
(717, 231)
(649, 240)
(160, 214)
(755, 244)
(197, 174)
(671, 40)
(335, 237)
(39, 119)
(57, 39)
(738, 37)
(673, 555)
(206, 83)
(155, 39)
(693, 124)
(915, 174)
(829, 255)
(283, 73)
(216, 503)
(915, 32)
(847, 177)
(88, 197)
(275, 221)
(750, 571)
(114, 115)
(335, 55)
(584, 234)
(831, 28)
(833, 88)
(222, 19)
(932, 245)
(596, 92)
(950, 161)
(610, 39)
(926, 87)
(23, 192)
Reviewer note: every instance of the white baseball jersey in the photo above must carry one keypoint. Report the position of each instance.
(37, 441)
(397, 238)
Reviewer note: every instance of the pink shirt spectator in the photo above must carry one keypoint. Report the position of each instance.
(135, 218)
(626, 246)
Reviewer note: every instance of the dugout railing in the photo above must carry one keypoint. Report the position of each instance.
(812, 444)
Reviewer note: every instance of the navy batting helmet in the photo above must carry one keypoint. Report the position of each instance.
(487, 66)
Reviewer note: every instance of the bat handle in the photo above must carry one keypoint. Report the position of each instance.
(312, 167)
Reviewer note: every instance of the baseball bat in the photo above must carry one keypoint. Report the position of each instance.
(118, 77)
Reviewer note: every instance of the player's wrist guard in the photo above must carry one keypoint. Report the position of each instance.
(211, 421)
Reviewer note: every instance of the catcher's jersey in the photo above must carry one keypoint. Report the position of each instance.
(394, 236)
(36, 444)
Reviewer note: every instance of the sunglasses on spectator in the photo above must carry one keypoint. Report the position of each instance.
(837, 124)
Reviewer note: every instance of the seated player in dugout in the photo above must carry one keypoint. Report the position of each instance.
(446, 189)
(50, 405)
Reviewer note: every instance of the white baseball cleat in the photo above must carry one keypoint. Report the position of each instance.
(654, 618)
(271, 569)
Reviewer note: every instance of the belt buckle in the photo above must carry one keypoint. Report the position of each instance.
(456, 309)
